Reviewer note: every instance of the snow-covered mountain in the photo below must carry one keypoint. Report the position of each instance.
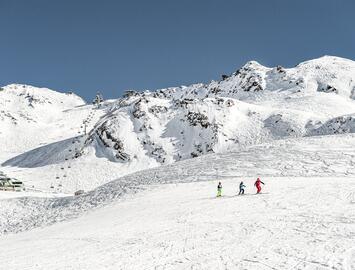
(254, 104)
(30, 116)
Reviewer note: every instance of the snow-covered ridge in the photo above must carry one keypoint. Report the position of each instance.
(252, 105)
(18, 97)
(31, 116)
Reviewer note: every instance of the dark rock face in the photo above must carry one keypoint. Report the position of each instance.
(250, 82)
(280, 69)
(300, 82)
(196, 119)
(201, 149)
(137, 110)
(326, 88)
(108, 140)
(130, 93)
(154, 150)
(4, 115)
(215, 90)
(224, 77)
(156, 109)
(183, 103)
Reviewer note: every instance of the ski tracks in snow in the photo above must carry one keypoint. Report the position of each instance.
(301, 223)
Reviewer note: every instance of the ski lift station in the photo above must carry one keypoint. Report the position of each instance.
(11, 184)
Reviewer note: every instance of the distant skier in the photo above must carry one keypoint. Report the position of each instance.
(219, 189)
(257, 184)
(241, 188)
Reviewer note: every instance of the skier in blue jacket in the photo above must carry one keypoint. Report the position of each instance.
(241, 188)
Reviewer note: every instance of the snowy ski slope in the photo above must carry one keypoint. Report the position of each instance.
(303, 220)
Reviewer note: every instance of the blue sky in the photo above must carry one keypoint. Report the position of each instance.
(111, 46)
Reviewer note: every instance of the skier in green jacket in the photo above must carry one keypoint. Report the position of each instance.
(219, 189)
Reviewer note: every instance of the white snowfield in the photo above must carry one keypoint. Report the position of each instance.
(150, 163)
(299, 223)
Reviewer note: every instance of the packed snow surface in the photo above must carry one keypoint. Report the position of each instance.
(297, 223)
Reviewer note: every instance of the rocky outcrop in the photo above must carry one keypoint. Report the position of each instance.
(338, 125)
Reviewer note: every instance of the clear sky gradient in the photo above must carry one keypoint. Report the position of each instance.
(111, 46)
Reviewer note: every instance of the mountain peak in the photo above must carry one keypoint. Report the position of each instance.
(254, 65)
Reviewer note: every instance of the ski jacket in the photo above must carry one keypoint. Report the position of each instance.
(258, 182)
(219, 186)
(241, 186)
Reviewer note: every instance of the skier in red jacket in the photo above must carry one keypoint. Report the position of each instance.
(258, 183)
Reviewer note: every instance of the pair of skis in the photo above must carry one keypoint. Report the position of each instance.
(260, 193)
